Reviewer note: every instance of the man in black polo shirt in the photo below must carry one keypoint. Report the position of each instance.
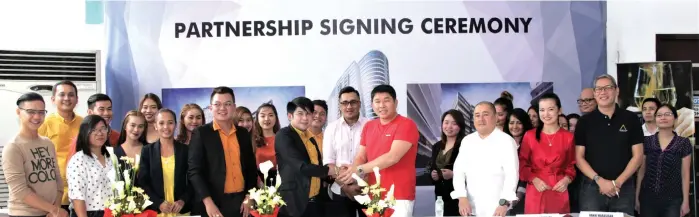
(609, 150)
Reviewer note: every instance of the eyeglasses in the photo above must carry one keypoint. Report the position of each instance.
(350, 103)
(605, 88)
(666, 114)
(33, 112)
(585, 100)
(102, 130)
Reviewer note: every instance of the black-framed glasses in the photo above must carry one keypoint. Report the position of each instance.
(605, 88)
(33, 112)
(351, 102)
(585, 100)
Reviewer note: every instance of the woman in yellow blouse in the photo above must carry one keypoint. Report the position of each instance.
(163, 169)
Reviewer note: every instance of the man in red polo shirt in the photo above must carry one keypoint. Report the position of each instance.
(389, 143)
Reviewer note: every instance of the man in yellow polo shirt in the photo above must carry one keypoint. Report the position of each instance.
(62, 127)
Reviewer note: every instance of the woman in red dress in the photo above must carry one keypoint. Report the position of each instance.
(547, 159)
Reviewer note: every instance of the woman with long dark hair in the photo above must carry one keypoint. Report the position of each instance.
(444, 154)
(503, 108)
(265, 127)
(133, 135)
(164, 167)
(518, 123)
(547, 161)
(149, 106)
(191, 117)
(88, 170)
(662, 187)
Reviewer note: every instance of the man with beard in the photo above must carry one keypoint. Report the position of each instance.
(341, 141)
(62, 127)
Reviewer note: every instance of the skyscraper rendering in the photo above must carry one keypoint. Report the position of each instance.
(539, 89)
(369, 72)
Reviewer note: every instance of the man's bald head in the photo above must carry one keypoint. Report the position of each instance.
(586, 102)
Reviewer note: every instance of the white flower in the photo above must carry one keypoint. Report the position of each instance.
(264, 168)
(146, 204)
(389, 195)
(279, 181)
(382, 204)
(132, 206)
(362, 199)
(360, 181)
(377, 174)
(137, 163)
(127, 178)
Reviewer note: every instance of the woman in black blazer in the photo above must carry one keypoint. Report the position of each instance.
(444, 154)
(166, 184)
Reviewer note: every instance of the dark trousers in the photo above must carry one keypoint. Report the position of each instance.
(591, 200)
(342, 206)
(229, 205)
(574, 191)
(314, 209)
(656, 207)
(66, 208)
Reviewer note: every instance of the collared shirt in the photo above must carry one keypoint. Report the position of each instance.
(341, 143)
(61, 132)
(319, 140)
(608, 140)
(89, 180)
(313, 155)
(663, 177)
(490, 166)
(231, 149)
(646, 132)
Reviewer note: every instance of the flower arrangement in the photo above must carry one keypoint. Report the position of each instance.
(126, 199)
(267, 199)
(371, 197)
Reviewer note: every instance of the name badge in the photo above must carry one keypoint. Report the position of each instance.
(601, 214)
(541, 215)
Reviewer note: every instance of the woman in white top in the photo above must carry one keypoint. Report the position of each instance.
(88, 169)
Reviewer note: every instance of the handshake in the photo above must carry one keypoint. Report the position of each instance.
(343, 178)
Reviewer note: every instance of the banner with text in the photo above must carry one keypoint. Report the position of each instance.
(326, 45)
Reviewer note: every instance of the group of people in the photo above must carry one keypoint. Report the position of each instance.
(516, 161)
(541, 161)
(59, 164)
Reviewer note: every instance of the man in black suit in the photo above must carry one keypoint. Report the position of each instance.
(300, 163)
(221, 161)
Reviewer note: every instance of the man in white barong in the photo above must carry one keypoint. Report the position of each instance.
(486, 171)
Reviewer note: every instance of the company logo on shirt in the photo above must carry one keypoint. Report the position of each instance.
(622, 129)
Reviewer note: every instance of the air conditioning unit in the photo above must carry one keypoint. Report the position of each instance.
(38, 71)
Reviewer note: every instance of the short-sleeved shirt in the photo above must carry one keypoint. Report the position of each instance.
(88, 180)
(377, 139)
(608, 140)
(663, 176)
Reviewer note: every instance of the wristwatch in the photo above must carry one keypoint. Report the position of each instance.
(504, 202)
(360, 171)
(595, 178)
